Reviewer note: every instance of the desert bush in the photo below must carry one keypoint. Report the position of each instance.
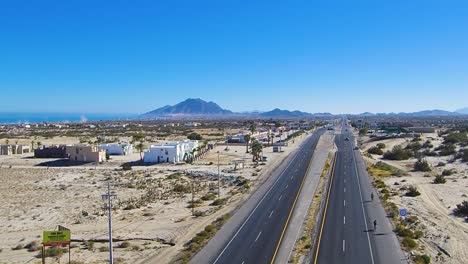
(375, 150)
(18, 247)
(194, 136)
(439, 179)
(124, 244)
(415, 146)
(464, 155)
(379, 184)
(208, 196)
(33, 246)
(447, 172)
(397, 153)
(408, 243)
(456, 137)
(198, 213)
(126, 166)
(210, 228)
(461, 209)
(218, 202)
(412, 192)
(104, 249)
(381, 145)
(89, 245)
(422, 259)
(447, 149)
(182, 188)
(427, 144)
(422, 165)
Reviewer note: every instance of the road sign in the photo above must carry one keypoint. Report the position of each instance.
(56, 238)
(403, 212)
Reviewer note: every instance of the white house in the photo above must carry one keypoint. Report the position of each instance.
(172, 152)
(117, 149)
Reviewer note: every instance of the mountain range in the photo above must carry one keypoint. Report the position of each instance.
(199, 108)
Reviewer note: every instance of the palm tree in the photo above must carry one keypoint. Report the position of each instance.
(252, 129)
(140, 147)
(38, 144)
(256, 150)
(247, 140)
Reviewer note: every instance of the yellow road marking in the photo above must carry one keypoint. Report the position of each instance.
(325, 210)
(291, 211)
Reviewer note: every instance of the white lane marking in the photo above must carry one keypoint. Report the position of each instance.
(362, 206)
(344, 189)
(344, 202)
(344, 220)
(287, 186)
(279, 199)
(344, 180)
(344, 245)
(270, 214)
(242, 262)
(292, 177)
(258, 236)
(253, 211)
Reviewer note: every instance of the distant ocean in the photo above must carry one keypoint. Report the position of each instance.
(15, 118)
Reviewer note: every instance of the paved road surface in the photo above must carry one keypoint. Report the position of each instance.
(348, 234)
(257, 238)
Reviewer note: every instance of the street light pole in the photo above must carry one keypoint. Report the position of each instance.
(109, 196)
(219, 184)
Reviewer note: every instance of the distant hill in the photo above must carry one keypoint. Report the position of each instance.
(435, 112)
(284, 113)
(462, 111)
(188, 107)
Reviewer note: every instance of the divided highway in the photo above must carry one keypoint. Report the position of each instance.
(259, 235)
(347, 234)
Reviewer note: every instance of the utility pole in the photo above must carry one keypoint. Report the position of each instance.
(109, 196)
(193, 199)
(219, 184)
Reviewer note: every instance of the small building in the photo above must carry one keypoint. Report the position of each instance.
(85, 153)
(236, 139)
(21, 149)
(51, 152)
(14, 149)
(117, 149)
(422, 129)
(171, 152)
(6, 150)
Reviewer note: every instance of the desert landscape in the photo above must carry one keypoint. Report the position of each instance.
(159, 207)
(429, 182)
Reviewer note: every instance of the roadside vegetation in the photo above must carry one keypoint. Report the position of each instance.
(200, 239)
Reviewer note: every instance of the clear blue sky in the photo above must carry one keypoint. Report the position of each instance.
(317, 56)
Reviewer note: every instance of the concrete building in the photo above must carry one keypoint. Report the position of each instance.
(51, 152)
(6, 150)
(85, 153)
(172, 152)
(117, 149)
(14, 149)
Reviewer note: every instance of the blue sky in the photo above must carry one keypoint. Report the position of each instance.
(316, 56)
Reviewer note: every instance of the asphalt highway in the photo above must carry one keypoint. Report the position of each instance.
(348, 234)
(259, 236)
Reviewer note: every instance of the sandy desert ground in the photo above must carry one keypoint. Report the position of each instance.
(154, 218)
(442, 230)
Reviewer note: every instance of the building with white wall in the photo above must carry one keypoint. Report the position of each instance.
(171, 152)
(117, 149)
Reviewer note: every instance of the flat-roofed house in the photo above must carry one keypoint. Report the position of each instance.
(85, 153)
(117, 149)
